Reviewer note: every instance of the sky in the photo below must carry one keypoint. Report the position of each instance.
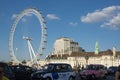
(84, 21)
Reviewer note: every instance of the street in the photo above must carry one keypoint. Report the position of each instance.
(109, 77)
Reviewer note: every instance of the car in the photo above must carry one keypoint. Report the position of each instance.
(93, 71)
(7, 71)
(22, 72)
(54, 71)
(112, 70)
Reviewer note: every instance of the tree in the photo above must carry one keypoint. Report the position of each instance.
(24, 62)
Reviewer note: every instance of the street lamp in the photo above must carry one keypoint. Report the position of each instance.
(118, 57)
(86, 58)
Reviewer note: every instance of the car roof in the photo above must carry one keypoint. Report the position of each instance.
(20, 65)
(113, 67)
(58, 64)
(96, 64)
(3, 63)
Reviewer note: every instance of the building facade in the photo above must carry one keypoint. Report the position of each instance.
(68, 51)
(65, 45)
(76, 59)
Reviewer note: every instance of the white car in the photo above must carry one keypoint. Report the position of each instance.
(54, 71)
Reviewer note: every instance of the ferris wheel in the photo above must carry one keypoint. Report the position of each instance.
(41, 48)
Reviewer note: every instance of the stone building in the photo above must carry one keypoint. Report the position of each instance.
(64, 45)
(106, 58)
(68, 51)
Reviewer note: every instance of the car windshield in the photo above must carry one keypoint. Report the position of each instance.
(93, 67)
(48, 67)
(115, 67)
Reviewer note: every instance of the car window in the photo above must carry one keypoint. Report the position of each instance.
(102, 67)
(48, 67)
(57, 68)
(95, 67)
(66, 68)
(63, 68)
(91, 67)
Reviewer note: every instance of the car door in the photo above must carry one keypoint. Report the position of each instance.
(61, 73)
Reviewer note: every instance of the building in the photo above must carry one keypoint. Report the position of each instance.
(67, 51)
(66, 45)
(106, 58)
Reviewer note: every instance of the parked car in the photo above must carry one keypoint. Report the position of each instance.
(93, 71)
(7, 71)
(112, 70)
(22, 72)
(54, 71)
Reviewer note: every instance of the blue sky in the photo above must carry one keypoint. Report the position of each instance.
(85, 21)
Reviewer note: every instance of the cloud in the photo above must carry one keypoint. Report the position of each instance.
(107, 15)
(73, 23)
(52, 17)
(14, 16)
(24, 20)
(114, 23)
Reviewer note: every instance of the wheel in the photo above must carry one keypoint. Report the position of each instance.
(48, 78)
(71, 78)
(92, 76)
(105, 78)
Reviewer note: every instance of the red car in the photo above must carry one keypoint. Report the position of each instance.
(94, 71)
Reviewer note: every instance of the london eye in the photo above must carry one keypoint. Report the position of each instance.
(40, 50)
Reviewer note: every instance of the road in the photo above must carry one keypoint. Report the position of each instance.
(109, 77)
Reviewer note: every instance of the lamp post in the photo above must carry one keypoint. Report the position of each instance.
(105, 61)
(118, 57)
(86, 58)
(112, 60)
